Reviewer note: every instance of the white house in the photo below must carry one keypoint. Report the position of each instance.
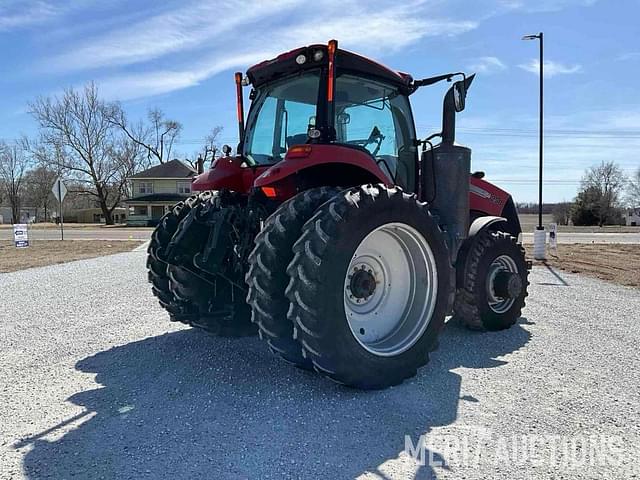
(633, 217)
(156, 190)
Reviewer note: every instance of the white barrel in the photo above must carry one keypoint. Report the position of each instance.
(539, 240)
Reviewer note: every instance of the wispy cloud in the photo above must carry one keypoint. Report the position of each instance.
(487, 65)
(20, 14)
(544, 5)
(356, 28)
(183, 44)
(625, 57)
(185, 28)
(551, 69)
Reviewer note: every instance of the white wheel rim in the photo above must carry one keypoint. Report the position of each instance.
(503, 263)
(394, 316)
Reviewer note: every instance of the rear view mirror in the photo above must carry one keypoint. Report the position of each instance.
(459, 95)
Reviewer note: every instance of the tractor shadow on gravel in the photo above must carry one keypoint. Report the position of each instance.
(185, 405)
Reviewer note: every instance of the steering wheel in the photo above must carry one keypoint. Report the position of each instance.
(375, 136)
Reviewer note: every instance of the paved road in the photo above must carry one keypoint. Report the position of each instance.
(84, 234)
(96, 383)
(145, 234)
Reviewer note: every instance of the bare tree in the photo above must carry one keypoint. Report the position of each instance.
(37, 188)
(633, 189)
(210, 149)
(562, 213)
(607, 181)
(156, 138)
(13, 165)
(78, 127)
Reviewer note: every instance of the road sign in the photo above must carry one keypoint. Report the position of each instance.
(59, 189)
(21, 235)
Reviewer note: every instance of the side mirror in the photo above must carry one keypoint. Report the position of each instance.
(459, 95)
(344, 118)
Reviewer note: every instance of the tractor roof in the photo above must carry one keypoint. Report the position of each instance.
(285, 64)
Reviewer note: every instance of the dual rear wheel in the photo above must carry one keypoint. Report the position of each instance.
(364, 287)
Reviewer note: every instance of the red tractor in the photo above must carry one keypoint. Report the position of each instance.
(336, 233)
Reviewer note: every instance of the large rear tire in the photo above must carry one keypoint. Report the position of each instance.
(220, 305)
(495, 281)
(369, 287)
(267, 277)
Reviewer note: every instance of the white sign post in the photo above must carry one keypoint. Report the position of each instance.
(21, 235)
(59, 191)
(553, 236)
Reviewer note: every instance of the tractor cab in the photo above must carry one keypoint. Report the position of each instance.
(311, 96)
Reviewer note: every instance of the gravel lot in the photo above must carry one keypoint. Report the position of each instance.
(96, 383)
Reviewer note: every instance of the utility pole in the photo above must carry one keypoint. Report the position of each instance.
(539, 235)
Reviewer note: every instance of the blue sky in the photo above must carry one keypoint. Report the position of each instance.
(180, 56)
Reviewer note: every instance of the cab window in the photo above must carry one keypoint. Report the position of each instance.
(375, 117)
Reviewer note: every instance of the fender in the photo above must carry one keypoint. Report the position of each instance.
(228, 173)
(302, 157)
(478, 226)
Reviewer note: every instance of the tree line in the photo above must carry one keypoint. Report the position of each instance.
(92, 144)
(604, 193)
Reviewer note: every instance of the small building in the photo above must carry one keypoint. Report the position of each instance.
(633, 217)
(156, 190)
(27, 214)
(94, 215)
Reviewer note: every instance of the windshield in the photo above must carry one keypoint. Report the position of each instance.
(280, 117)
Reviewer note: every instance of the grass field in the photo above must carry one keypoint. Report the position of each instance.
(529, 221)
(50, 252)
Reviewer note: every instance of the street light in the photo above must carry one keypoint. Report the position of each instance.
(539, 236)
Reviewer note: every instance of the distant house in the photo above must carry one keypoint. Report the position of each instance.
(27, 214)
(93, 215)
(155, 190)
(633, 217)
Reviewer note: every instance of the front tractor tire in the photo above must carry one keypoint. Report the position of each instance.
(369, 287)
(267, 277)
(495, 281)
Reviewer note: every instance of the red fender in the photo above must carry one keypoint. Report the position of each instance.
(228, 173)
(300, 157)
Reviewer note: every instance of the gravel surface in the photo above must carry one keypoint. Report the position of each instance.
(96, 383)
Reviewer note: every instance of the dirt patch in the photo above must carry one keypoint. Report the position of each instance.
(50, 252)
(616, 263)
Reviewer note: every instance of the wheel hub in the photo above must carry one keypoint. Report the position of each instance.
(390, 289)
(363, 283)
(507, 285)
(504, 284)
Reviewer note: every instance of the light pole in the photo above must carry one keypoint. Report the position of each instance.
(539, 235)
